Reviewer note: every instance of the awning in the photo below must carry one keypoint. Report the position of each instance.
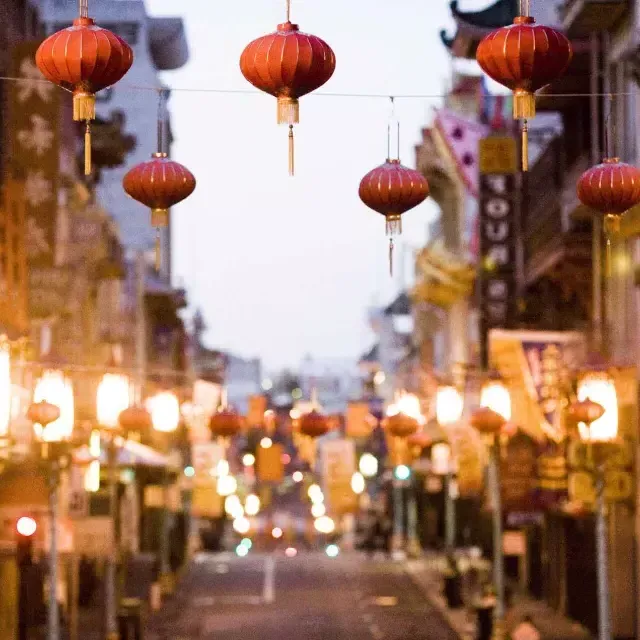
(130, 454)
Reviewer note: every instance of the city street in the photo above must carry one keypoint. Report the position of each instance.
(310, 597)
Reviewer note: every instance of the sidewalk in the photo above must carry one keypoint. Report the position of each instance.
(426, 573)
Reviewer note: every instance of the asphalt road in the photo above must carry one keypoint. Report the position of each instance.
(309, 597)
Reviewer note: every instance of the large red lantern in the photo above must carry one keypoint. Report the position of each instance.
(524, 57)
(288, 64)
(401, 425)
(314, 424)
(393, 189)
(84, 58)
(135, 418)
(225, 423)
(159, 184)
(487, 421)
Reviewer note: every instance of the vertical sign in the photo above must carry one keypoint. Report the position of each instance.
(338, 466)
(269, 464)
(34, 138)
(497, 235)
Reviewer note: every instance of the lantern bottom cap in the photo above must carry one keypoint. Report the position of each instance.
(524, 104)
(393, 225)
(159, 217)
(288, 110)
(84, 106)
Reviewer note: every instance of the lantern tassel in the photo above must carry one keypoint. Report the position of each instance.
(391, 257)
(525, 146)
(291, 152)
(611, 229)
(87, 150)
(158, 253)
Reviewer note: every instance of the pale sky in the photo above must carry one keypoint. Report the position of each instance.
(285, 266)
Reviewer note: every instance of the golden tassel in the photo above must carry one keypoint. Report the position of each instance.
(84, 106)
(525, 146)
(391, 257)
(611, 228)
(87, 150)
(291, 152)
(524, 105)
(158, 250)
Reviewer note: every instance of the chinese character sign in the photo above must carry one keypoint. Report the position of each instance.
(34, 137)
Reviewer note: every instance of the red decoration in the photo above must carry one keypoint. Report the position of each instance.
(524, 57)
(159, 184)
(85, 59)
(225, 423)
(43, 413)
(135, 419)
(314, 424)
(487, 421)
(288, 64)
(400, 425)
(393, 189)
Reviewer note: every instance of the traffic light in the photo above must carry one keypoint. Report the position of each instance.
(25, 530)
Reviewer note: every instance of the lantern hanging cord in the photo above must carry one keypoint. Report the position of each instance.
(288, 10)
(162, 120)
(525, 8)
(83, 8)
(609, 140)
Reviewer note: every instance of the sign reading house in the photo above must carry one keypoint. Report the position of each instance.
(497, 220)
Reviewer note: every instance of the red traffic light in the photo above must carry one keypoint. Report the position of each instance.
(26, 526)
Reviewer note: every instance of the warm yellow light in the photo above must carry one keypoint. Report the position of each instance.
(266, 443)
(277, 533)
(368, 465)
(26, 526)
(496, 396)
(252, 505)
(5, 389)
(222, 468)
(248, 459)
(113, 397)
(409, 404)
(600, 388)
(164, 408)
(241, 525)
(92, 477)
(297, 476)
(315, 493)
(324, 524)
(358, 484)
(295, 414)
(54, 388)
(318, 510)
(379, 378)
(227, 485)
(449, 405)
(233, 506)
(441, 458)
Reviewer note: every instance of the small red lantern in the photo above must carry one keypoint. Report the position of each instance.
(43, 413)
(393, 189)
(84, 58)
(159, 184)
(314, 424)
(288, 64)
(400, 425)
(135, 419)
(586, 411)
(225, 423)
(487, 421)
(524, 57)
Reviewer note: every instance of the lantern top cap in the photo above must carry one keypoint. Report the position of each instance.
(610, 160)
(393, 161)
(524, 20)
(159, 154)
(288, 27)
(83, 21)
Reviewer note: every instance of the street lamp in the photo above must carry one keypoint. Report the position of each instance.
(113, 397)
(449, 408)
(597, 407)
(52, 416)
(494, 413)
(164, 408)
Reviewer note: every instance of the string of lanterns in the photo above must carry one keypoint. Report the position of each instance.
(289, 64)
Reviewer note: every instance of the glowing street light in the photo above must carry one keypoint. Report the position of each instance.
(233, 506)
(325, 524)
(277, 533)
(252, 505)
(26, 526)
(248, 459)
(297, 477)
(242, 525)
(599, 388)
(449, 405)
(358, 484)
(266, 443)
(368, 465)
(227, 485)
(53, 387)
(496, 396)
(112, 398)
(164, 408)
(318, 510)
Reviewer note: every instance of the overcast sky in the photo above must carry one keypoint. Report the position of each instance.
(282, 267)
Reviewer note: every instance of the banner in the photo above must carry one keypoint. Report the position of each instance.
(359, 422)
(269, 465)
(257, 407)
(338, 464)
(34, 117)
(497, 218)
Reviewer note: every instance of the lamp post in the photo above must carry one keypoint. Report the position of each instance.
(52, 414)
(598, 410)
(449, 408)
(164, 408)
(490, 418)
(112, 398)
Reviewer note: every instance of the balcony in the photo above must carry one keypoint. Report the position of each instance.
(582, 17)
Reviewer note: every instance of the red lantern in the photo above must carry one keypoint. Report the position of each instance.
(135, 419)
(288, 64)
(159, 184)
(314, 424)
(43, 413)
(586, 411)
(225, 423)
(85, 59)
(524, 57)
(393, 189)
(400, 425)
(487, 421)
